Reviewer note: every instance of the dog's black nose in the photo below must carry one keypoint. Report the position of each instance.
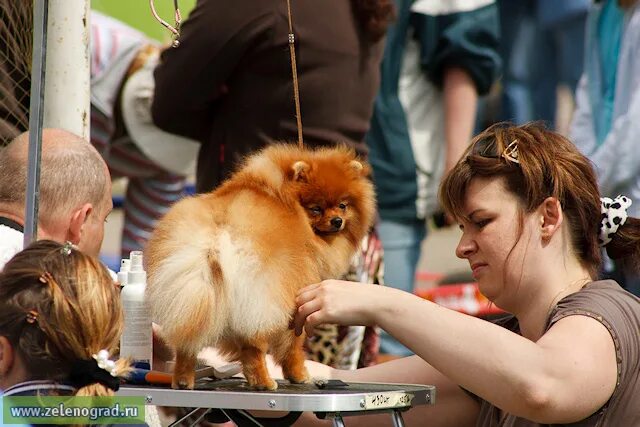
(336, 222)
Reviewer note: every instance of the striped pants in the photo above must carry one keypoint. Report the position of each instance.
(151, 190)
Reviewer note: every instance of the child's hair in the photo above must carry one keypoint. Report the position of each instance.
(544, 164)
(59, 308)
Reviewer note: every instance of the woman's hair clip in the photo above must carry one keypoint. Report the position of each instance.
(45, 277)
(32, 316)
(67, 248)
(511, 152)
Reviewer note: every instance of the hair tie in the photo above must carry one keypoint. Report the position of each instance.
(98, 369)
(614, 215)
(32, 316)
(67, 248)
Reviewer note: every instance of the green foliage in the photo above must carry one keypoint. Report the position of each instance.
(137, 13)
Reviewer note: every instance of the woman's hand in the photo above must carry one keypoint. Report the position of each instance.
(338, 302)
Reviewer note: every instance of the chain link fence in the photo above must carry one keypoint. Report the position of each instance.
(16, 35)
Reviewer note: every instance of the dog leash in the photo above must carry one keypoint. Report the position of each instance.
(294, 73)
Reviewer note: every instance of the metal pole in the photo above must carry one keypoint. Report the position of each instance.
(67, 90)
(36, 108)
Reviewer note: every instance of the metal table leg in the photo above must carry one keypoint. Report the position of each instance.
(197, 420)
(177, 422)
(337, 420)
(397, 419)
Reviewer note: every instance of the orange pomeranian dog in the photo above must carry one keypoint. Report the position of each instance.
(224, 267)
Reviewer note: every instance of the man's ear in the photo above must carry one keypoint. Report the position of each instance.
(78, 219)
(6, 356)
(551, 217)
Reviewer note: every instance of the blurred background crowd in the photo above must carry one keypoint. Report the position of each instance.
(409, 90)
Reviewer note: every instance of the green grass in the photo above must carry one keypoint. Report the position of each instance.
(137, 13)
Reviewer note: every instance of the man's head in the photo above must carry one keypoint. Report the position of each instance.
(75, 188)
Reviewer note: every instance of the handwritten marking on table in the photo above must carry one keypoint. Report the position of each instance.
(393, 399)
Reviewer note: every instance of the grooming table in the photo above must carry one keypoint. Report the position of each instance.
(231, 398)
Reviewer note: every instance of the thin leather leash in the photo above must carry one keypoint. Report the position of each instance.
(294, 73)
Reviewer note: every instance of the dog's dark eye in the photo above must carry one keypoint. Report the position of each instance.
(342, 206)
(316, 210)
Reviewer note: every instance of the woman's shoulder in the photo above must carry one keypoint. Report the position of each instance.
(619, 311)
(615, 308)
(602, 297)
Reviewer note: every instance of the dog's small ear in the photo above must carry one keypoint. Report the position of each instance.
(300, 171)
(359, 168)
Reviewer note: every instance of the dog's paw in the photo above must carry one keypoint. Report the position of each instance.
(301, 379)
(183, 383)
(297, 376)
(267, 384)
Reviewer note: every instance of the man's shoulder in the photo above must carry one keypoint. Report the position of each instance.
(11, 242)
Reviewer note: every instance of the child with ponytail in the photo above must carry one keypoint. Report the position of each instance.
(60, 319)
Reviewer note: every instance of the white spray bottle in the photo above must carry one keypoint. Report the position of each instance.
(137, 337)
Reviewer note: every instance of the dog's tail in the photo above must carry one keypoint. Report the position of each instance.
(186, 295)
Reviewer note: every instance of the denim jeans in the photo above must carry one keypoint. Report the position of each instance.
(401, 242)
(536, 59)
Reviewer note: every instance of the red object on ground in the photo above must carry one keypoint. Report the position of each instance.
(464, 297)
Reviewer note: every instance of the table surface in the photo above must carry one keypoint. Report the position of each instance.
(233, 393)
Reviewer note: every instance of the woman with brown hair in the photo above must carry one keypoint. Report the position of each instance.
(60, 319)
(533, 224)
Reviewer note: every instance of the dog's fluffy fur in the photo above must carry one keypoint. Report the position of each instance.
(224, 267)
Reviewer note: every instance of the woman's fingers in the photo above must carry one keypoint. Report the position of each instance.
(303, 313)
(334, 301)
(313, 320)
(307, 294)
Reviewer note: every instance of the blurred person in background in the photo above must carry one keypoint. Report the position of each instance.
(606, 124)
(439, 57)
(156, 163)
(541, 46)
(229, 84)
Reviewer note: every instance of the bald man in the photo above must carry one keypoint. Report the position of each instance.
(74, 197)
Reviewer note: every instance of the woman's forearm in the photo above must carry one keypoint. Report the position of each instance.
(469, 351)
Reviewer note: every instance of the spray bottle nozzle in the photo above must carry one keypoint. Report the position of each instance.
(137, 275)
(136, 261)
(123, 274)
(125, 265)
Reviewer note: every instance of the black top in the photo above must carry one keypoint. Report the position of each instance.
(11, 224)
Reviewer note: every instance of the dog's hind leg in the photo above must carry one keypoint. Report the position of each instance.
(191, 330)
(254, 368)
(184, 371)
(290, 355)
